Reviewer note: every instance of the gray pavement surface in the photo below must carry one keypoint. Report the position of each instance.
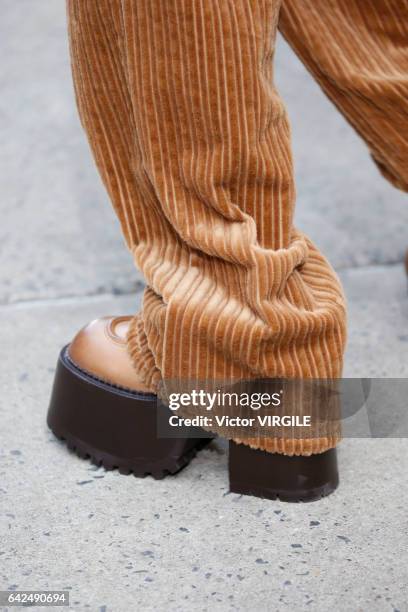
(120, 543)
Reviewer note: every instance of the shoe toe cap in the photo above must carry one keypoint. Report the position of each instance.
(100, 349)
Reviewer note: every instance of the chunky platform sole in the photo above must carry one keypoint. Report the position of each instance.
(114, 427)
(275, 476)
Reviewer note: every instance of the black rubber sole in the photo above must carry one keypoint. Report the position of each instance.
(276, 476)
(114, 427)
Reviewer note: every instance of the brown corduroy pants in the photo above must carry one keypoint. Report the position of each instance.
(193, 144)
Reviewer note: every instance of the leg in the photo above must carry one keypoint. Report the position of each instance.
(358, 52)
(192, 141)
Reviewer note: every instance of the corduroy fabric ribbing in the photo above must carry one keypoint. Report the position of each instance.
(193, 143)
(358, 53)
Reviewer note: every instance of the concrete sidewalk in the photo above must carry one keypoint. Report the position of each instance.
(119, 543)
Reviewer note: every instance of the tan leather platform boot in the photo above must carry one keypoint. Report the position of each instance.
(103, 411)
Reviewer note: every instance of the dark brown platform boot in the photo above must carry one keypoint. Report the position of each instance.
(104, 413)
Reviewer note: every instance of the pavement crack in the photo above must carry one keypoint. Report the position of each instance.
(137, 288)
